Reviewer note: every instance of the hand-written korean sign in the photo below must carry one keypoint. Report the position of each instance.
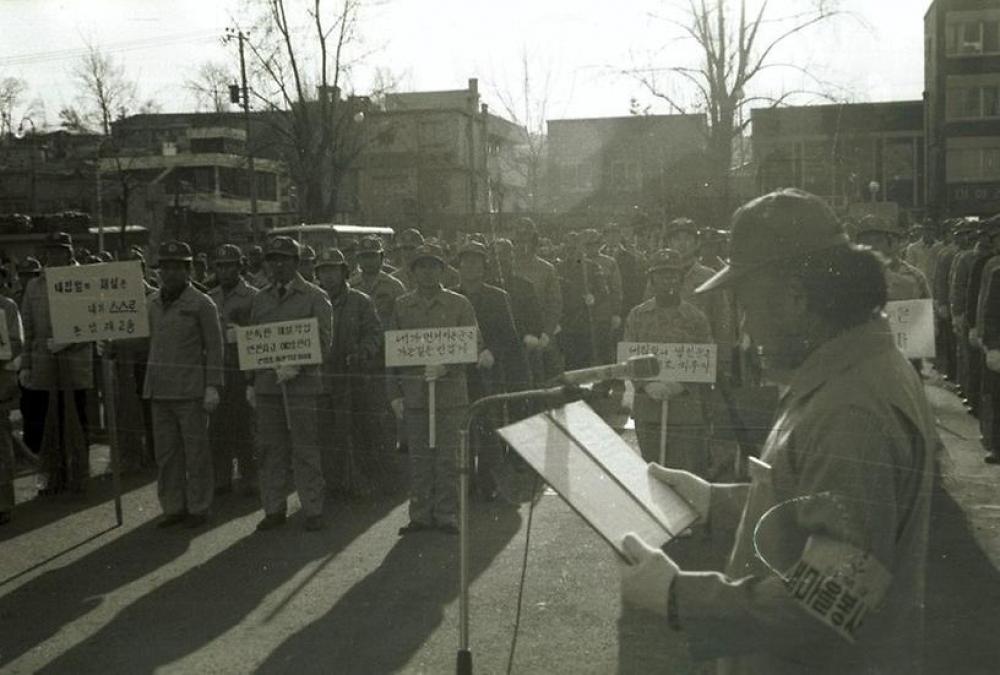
(282, 343)
(679, 362)
(912, 324)
(6, 351)
(431, 346)
(97, 302)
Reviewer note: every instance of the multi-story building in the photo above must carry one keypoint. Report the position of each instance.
(440, 161)
(48, 171)
(962, 102)
(186, 175)
(869, 156)
(601, 168)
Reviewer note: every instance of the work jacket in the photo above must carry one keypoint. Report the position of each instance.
(848, 466)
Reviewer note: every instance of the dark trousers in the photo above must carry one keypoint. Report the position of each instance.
(65, 467)
(231, 435)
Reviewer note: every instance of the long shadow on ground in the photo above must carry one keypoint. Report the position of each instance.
(37, 610)
(189, 611)
(41, 511)
(383, 620)
(963, 595)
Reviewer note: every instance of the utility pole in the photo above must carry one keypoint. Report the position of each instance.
(244, 95)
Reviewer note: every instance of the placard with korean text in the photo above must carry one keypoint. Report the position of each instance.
(431, 346)
(281, 343)
(679, 362)
(97, 302)
(912, 324)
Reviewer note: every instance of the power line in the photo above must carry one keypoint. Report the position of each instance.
(113, 47)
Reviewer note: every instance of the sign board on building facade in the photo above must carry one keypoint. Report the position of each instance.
(97, 302)
(282, 343)
(679, 362)
(912, 323)
(431, 346)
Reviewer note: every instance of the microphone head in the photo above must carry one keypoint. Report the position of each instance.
(643, 367)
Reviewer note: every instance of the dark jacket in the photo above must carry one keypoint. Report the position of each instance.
(496, 323)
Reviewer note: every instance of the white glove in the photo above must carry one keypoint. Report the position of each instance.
(973, 337)
(286, 373)
(992, 360)
(397, 407)
(251, 397)
(557, 330)
(616, 322)
(24, 376)
(531, 342)
(589, 300)
(435, 372)
(696, 491)
(230, 335)
(486, 359)
(646, 581)
(211, 401)
(661, 391)
(543, 341)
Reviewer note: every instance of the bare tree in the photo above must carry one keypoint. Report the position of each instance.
(736, 41)
(105, 92)
(303, 54)
(527, 106)
(210, 86)
(12, 89)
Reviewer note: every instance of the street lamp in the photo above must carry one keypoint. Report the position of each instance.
(20, 134)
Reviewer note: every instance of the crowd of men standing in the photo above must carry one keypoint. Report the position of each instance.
(341, 427)
(542, 306)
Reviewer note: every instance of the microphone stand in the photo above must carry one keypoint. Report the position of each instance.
(555, 396)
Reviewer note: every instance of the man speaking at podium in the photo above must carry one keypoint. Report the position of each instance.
(826, 574)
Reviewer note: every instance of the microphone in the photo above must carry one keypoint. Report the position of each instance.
(636, 368)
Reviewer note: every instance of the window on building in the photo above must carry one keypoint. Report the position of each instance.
(973, 102)
(971, 37)
(969, 163)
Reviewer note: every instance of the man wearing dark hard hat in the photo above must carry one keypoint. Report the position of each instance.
(231, 433)
(183, 380)
(46, 366)
(668, 318)
(433, 470)
(352, 458)
(286, 398)
(827, 569)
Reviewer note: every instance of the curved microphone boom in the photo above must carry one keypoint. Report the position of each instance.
(635, 368)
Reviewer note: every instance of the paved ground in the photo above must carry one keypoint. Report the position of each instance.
(78, 595)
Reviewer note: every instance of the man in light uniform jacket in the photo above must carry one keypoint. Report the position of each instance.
(183, 378)
(286, 397)
(668, 318)
(433, 471)
(231, 428)
(827, 570)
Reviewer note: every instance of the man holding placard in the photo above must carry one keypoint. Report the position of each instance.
(667, 318)
(48, 367)
(434, 396)
(286, 396)
(183, 378)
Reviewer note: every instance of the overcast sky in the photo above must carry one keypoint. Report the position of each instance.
(582, 45)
